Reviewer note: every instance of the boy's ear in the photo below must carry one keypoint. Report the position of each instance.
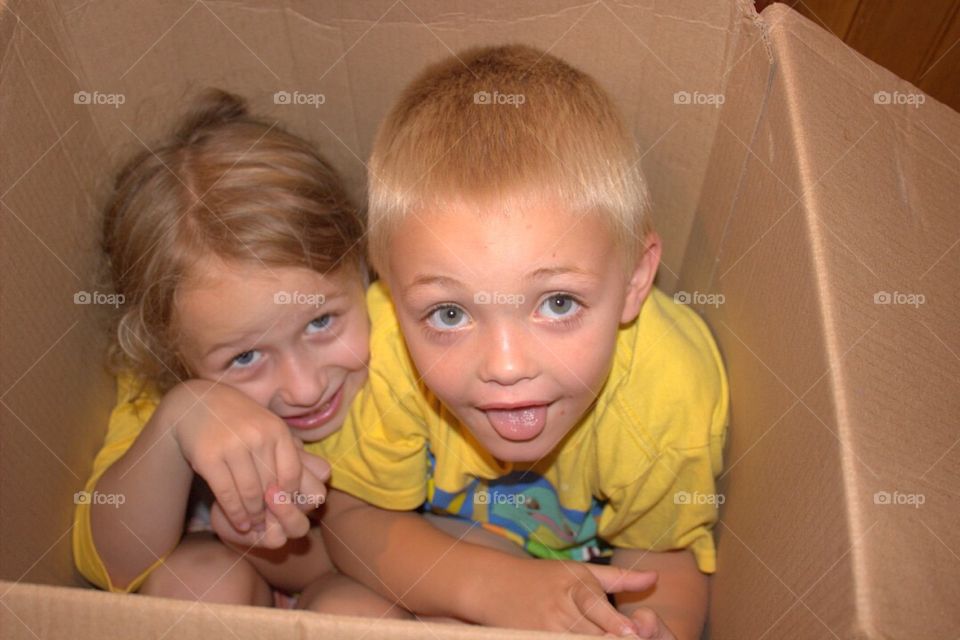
(641, 278)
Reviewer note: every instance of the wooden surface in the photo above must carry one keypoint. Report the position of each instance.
(916, 39)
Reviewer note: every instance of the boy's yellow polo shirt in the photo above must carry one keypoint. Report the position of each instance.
(636, 472)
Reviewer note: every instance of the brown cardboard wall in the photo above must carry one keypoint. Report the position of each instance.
(785, 209)
(840, 424)
(52, 386)
(337, 49)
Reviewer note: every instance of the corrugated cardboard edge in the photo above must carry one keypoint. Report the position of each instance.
(31, 611)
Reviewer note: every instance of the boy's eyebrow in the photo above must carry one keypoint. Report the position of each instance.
(427, 280)
(539, 274)
(546, 272)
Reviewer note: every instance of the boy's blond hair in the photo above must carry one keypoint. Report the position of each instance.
(504, 126)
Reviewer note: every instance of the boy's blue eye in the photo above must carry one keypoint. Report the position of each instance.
(447, 317)
(321, 323)
(245, 359)
(559, 305)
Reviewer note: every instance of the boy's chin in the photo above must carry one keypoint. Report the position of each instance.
(508, 451)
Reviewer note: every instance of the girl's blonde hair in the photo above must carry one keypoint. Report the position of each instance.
(227, 185)
(505, 125)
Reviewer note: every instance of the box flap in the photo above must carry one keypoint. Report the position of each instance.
(830, 232)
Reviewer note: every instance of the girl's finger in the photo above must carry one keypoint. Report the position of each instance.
(292, 520)
(319, 467)
(289, 467)
(265, 462)
(247, 480)
(313, 492)
(221, 483)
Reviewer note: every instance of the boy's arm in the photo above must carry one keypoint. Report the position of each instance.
(404, 558)
(680, 596)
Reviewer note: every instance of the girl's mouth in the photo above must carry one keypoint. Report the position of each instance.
(319, 416)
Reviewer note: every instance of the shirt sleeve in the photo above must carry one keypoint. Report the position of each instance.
(136, 402)
(662, 495)
(671, 506)
(380, 453)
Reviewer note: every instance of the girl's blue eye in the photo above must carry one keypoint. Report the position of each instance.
(447, 317)
(559, 306)
(246, 359)
(321, 323)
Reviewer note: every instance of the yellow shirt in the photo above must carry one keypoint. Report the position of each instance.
(135, 404)
(636, 472)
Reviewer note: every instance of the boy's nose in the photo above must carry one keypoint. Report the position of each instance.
(509, 358)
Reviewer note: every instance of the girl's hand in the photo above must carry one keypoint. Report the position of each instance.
(237, 446)
(286, 518)
(649, 626)
(268, 536)
(562, 596)
(290, 509)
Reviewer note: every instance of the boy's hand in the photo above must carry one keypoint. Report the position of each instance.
(649, 626)
(237, 446)
(562, 596)
(286, 518)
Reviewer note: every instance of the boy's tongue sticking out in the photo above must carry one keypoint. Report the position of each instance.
(519, 423)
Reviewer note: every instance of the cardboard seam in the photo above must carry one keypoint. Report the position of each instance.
(8, 50)
(749, 11)
(82, 83)
(353, 111)
(834, 354)
(744, 170)
(57, 25)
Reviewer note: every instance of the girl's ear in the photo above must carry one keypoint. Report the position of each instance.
(641, 279)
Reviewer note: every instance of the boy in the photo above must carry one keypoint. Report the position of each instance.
(528, 385)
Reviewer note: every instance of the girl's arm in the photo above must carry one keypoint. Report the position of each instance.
(403, 557)
(236, 446)
(133, 532)
(679, 598)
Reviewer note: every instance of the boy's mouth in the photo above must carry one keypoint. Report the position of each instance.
(518, 423)
(319, 416)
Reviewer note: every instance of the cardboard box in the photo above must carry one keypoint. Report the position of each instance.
(808, 203)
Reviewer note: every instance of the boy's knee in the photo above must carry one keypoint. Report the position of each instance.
(206, 570)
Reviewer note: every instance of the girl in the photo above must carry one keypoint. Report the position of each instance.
(243, 335)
